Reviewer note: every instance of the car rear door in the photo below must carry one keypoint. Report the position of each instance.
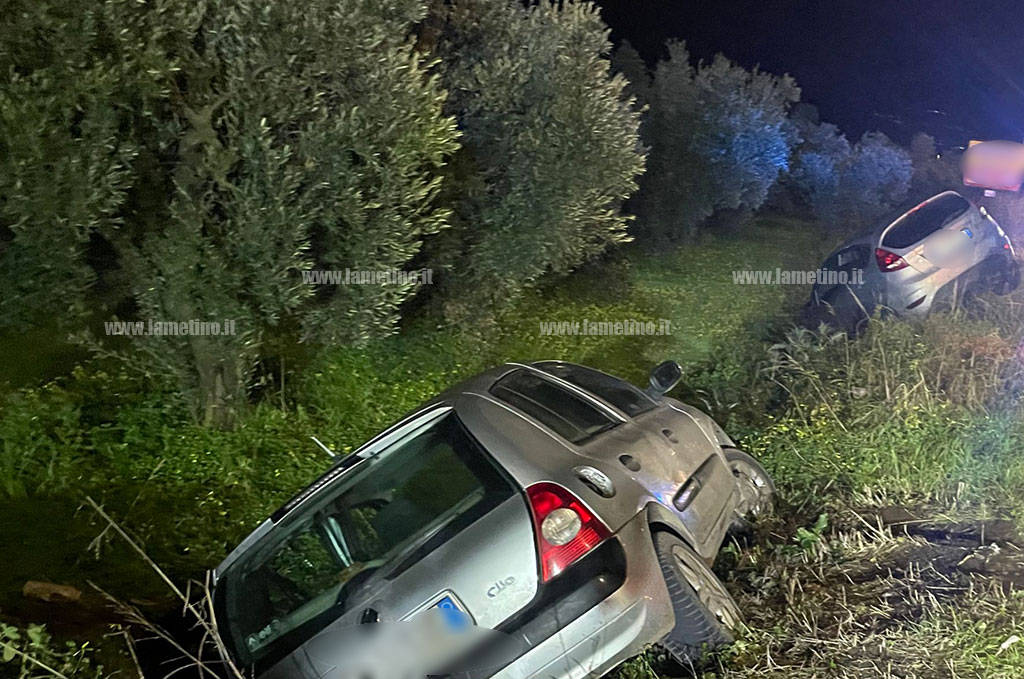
(485, 567)
(939, 238)
(431, 521)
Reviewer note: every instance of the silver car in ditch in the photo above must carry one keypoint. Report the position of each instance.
(564, 507)
(929, 257)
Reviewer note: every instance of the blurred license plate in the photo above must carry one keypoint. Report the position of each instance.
(452, 612)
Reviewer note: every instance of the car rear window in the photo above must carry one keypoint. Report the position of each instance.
(386, 511)
(558, 409)
(925, 220)
(619, 393)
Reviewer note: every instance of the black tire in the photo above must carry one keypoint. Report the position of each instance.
(839, 308)
(1007, 278)
(756, 487)
(705, 612)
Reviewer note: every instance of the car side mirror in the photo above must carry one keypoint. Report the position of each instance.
(664, 376)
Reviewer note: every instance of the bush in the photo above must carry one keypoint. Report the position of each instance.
(24, 652)
(933, 172)
(41, 442)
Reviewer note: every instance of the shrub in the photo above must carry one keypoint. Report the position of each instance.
(32, 653)
(933, 172)
(875, 179)
(41, 442)
(817, 165)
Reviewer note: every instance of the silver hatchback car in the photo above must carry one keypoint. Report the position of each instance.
(930, 256)
(552, 502)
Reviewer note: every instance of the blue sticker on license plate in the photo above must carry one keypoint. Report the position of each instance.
(452, 613)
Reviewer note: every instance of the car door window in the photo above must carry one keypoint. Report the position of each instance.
(558, 409)
(855, 257)
(847, 260)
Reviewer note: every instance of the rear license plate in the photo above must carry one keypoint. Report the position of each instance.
(452, 612)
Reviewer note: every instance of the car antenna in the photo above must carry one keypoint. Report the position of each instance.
(318, 442)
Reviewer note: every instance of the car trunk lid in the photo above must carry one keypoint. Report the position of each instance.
(431, 520)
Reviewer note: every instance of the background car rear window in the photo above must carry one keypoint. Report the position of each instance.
(619, 393)
(924, 221)
(556, 408)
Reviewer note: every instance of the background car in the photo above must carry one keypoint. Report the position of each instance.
(931, 255)
(559, 505)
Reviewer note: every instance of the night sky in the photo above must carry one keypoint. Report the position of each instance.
(951, 68)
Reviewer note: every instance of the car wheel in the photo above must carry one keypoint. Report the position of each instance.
(1007, 279)
(706, 614)
(757, 491)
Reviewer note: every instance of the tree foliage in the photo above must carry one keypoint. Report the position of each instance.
(550, 146)
(627, 61)
(934, 172)
(221, 149)
(64, 166)
(719, 137)
(849, 186)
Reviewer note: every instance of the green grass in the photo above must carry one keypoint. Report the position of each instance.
(709, 312)
(925, 416)
(189, 493)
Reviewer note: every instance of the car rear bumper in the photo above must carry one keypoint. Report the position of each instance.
(941, 291)
(635, 615)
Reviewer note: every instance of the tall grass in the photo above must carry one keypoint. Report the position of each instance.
(925, 411)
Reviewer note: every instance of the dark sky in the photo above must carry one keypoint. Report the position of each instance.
(952, 68)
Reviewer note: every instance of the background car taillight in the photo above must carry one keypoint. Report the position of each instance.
(889, 261)
(566, 530)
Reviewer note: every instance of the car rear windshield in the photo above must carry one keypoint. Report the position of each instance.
(387, 511)
(619, 393)
(925, 220)
(558, 409)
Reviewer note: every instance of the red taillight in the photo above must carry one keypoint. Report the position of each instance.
(546, 499)
(1006, 245)
(889, 261)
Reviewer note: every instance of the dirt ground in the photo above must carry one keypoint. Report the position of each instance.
(889, 592)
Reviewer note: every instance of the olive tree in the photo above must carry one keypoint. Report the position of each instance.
(719, 138)
(550, 146)
(847, 186)
(221, 149)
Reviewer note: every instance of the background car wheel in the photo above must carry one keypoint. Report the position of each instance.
(841, 309)
(706, 614)
(1007, 279)
(757, 491)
